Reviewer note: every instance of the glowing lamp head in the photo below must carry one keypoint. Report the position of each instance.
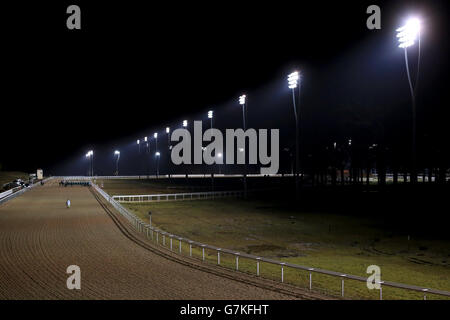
(157, 154)
(117, 152)
(185, 123)
(138, 141)
(408, 34)
(145, 139)
(210, 114)
(167, 129)
(242, 99)
(155, 135)
(293, 80)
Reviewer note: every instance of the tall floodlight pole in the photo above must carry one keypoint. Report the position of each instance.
(138, 142)
(117, 153)
(243, 102)
(157, 154)
(147, 151)
(90, 156)
(210, 117)
(219, 156)
(293, 81)
(407, 35)
(168, 151)
(185, 124)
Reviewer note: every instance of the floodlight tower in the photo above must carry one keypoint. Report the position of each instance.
(168, 150)
(90, 156)
(243, 103)
(185, 124)
(293, 82)
(117, 153)
(157, 155)
(210, 117)
(407, 36)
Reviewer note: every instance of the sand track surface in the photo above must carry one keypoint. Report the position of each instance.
(40, 238)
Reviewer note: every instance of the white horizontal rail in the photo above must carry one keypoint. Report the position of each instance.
(177, 196)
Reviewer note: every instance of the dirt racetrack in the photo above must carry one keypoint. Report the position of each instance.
(40, 238)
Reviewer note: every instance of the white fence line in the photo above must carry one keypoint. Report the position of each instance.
(177, 196)
(155, 236)
(21, 191)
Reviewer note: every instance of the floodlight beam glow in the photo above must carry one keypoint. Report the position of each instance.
(408, 34)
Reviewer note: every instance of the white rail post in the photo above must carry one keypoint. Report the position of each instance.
(203, 252)
(342, 285)
(190, 249)
(218, 256)
(170, 243)
(237, 261)
(282, 272)
(381, 292)
(310, 278)
(179, 245)
(425, 294)
(257, 266)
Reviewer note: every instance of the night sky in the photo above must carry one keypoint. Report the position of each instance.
(134, 69)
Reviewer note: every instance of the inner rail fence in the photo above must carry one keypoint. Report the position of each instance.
(160, 237)
(177, 196)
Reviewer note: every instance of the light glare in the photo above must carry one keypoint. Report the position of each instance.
(408, 34)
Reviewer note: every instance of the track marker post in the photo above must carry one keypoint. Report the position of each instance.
(257, 266)
(203, 252)
(342, 284)
(237, 261)
(218, 256)
(282, 272)
(310, 279)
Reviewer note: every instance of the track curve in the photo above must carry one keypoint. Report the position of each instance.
(40, 238)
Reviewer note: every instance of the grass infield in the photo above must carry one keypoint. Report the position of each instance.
(328, 241)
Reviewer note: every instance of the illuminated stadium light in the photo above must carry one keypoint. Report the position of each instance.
(293, 80)
(242, 99)
(145, 139)
(167, 129)
(117, 152)
(210, 114)
(185, 123)
(155, 135)
(138, 141)
(408, 34)
(157, 154)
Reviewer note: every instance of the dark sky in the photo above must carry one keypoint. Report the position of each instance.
(135, 68)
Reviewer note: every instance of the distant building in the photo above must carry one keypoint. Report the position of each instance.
(40, 174)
